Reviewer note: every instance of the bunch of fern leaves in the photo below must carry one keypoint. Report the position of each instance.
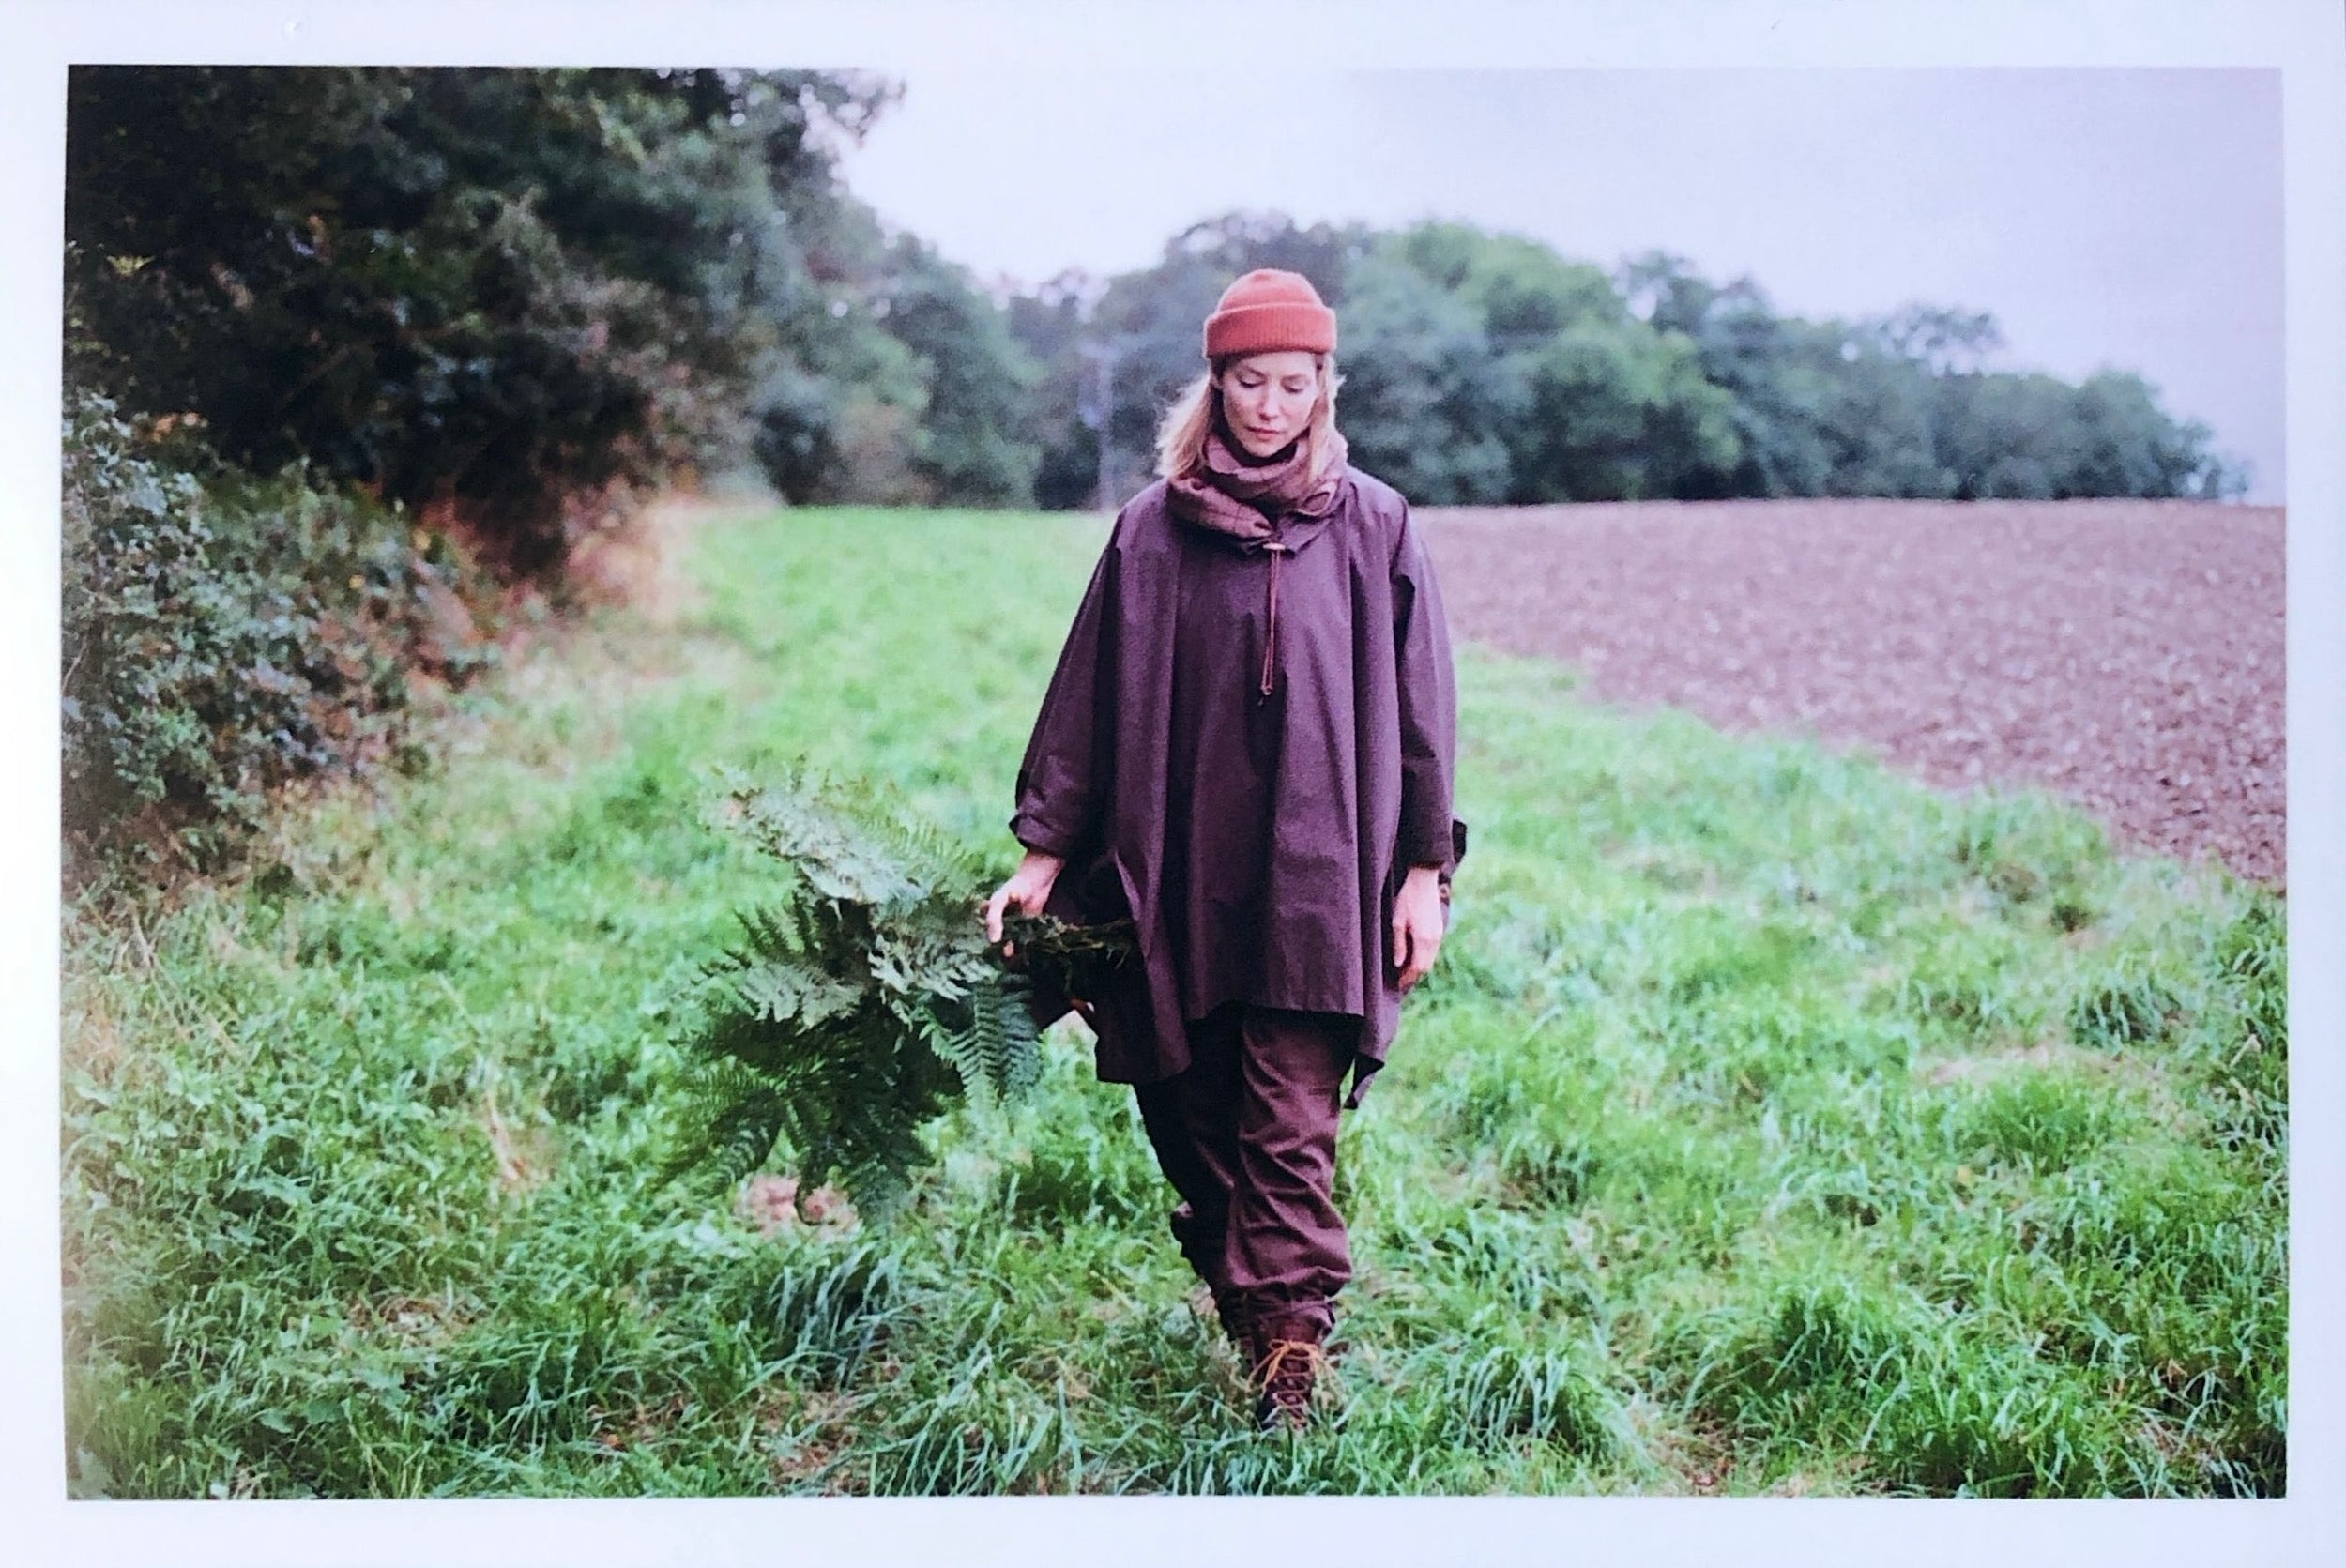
(861, 1002)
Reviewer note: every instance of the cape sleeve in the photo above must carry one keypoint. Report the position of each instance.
(1427, 684)
(1063, 780)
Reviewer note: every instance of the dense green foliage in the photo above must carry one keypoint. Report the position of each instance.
(498, 303)
(1771, 1123)
(221, 640)
(863, 1000)
(1484, 368)
(507, 289)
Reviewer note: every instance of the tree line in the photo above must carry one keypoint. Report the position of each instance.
(351, 351)
(1487, 368)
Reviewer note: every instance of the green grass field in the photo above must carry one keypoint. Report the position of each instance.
(1771, 1124)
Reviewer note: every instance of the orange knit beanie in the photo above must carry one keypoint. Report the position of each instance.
(1269, 310)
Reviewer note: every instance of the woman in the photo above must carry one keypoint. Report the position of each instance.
(1247, 747)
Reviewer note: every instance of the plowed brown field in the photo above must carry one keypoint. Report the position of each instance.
(2125, 654)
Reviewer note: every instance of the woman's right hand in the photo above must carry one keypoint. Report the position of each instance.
(1029, 887)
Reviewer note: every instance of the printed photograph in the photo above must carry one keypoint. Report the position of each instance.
(1159, 781)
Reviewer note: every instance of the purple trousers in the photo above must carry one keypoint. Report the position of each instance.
(1247, 1135)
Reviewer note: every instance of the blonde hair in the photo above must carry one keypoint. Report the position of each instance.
(1181, 434)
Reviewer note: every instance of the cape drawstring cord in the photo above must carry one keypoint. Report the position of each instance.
(1270, 621)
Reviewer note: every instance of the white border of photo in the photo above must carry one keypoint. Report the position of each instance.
(2303, 39)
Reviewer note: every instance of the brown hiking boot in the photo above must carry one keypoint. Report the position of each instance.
(1288, 1366)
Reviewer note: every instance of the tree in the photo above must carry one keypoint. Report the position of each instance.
(1425, 401)
(1050, 324)
(1597, 405)
(1779, 375)
(972, 447)
(2006, 436)
(1943, 341)
(1663, 289)
(1877, 419)
(493, 288)
(2125, 444)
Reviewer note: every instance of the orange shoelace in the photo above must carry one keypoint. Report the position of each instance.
(1290, 1370)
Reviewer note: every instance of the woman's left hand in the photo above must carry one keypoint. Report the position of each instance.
(1417, 924)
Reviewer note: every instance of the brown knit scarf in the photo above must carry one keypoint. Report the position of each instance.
(1232, 495)
(1244, 500)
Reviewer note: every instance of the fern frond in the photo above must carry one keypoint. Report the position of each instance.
(1021, 1061)
(951, 1034)
(863, 998)
(836, 853)
(783, 992)
(934, 858)
(908, 958)
(731, 1120)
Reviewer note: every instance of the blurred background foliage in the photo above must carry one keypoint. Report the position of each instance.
(355, 355)
(1486, 368)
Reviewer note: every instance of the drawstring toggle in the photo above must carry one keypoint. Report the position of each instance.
(1271, 619)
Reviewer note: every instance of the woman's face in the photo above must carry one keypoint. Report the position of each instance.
(1267, 399)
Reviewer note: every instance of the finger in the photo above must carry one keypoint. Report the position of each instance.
(1423, 947)
(994, 915)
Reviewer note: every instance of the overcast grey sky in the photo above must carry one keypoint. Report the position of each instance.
(2126, 217)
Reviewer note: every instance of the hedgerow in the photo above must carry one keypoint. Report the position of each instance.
(223, 633)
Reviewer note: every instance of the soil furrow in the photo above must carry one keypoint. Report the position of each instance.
(2128, 655)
